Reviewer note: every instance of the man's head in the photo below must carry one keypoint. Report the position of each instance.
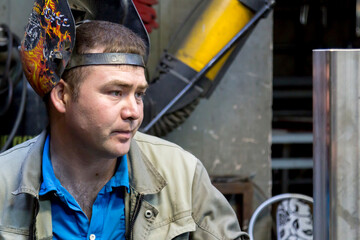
(99, 107)
(108, 38)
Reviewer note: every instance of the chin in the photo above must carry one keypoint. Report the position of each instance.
(121, 150)
(114, 154)
(115, 148)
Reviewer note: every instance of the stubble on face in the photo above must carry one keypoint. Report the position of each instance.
(103, 119)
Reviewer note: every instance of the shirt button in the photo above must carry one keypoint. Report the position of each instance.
(92, 237)
(148, 214)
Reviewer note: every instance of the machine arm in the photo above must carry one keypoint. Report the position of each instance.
(181, 83)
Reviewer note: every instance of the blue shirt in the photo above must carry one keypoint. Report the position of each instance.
(69, 221)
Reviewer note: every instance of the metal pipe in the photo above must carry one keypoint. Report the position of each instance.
(336, 92)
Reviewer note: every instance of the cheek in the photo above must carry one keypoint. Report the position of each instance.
(100, 115)
(141, 112)
(141, 109)
(105, 114)
(87, 114)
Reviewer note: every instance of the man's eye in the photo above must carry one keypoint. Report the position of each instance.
(116, 93)
(140, 95)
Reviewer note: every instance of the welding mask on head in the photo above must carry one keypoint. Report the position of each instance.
(49, 41)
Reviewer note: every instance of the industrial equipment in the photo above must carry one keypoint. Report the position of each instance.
(197, 59)
(12, 87)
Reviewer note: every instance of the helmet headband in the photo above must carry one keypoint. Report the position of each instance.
(105, 59)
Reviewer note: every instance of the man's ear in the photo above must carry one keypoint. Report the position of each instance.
(60, 96)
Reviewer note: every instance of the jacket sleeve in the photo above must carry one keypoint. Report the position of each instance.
(213, 215)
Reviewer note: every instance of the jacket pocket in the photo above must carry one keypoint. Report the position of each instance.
(184, 236)
(174, 229)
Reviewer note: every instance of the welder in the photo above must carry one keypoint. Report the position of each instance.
(90, 174)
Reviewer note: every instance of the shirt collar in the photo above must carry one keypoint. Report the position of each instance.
(143, 175)
(51, 183)
(121, 176)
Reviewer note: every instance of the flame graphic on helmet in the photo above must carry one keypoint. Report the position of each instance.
(46, 34)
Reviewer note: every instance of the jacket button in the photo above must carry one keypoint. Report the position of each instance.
(148, 214)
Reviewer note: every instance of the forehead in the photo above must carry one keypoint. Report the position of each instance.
(102, 74)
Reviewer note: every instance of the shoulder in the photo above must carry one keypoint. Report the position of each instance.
(165, 155)
(156, 145)
(19, 159)
(152, 140)
(15, 207)
(151, 145)
(13, 158)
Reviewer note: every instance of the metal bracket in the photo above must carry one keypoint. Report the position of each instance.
(256, 5)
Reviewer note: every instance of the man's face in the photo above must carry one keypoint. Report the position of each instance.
(109, 109)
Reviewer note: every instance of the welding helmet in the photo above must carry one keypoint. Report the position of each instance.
(49, 41)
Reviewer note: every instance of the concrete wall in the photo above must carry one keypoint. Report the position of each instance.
(15, 14)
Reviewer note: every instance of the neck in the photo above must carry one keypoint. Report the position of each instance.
(81, 172)
(76, 163)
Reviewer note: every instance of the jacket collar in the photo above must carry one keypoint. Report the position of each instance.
(143, 176)
(30, 174)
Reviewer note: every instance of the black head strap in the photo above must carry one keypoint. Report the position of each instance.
(105, 59)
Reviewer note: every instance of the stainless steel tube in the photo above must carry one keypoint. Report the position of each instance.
(336, 92)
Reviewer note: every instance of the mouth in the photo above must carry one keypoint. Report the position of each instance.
(122, 134)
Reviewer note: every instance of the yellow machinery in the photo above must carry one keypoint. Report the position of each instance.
(196, 62)
(219, 23)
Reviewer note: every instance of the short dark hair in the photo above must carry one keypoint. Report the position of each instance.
(113, 37)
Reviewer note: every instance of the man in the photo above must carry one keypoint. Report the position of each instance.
(89, 175)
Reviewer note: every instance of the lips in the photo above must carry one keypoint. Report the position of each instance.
(124, 135)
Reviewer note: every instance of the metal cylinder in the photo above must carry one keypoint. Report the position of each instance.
(220, 21)
(336, 92)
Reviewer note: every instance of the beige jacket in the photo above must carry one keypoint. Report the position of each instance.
(171, 195)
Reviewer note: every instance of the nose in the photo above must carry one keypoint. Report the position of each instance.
(132, 109)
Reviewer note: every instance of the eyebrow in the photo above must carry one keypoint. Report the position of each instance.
(126, 85)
